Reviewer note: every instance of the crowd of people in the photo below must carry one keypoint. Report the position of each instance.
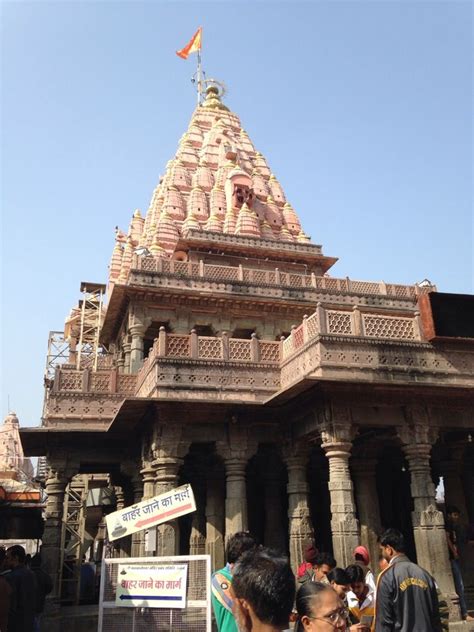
(23, 589)
(257, 591)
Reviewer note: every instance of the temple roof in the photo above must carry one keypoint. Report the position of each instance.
(216, 183)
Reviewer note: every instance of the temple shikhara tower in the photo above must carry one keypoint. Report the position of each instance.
(222, 352)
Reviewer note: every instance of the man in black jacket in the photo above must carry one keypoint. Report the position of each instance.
(407, 599)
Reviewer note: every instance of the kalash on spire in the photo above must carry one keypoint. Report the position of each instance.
(217, 195)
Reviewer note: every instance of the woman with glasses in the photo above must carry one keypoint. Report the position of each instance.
(321, 610)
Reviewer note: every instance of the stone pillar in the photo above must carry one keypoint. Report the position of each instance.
(121, 363)
(56, 484)
(166, 478)
(137, 331)
(274, 535)
(197, 538)
(137, 545)
(168, 450)
(215, 520)
(120, 546)
(368, 510)
(148, 487)
(300, 530)
(236, 515)
(126, 356)
(428, 521)
(236, 453)
(337, 444)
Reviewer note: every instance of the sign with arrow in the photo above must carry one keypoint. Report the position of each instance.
(149, 513)
(151, 586)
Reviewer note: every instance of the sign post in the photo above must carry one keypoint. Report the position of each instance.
(150, 513)
(151, 586)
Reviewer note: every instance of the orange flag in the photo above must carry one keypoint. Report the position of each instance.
(193, 45)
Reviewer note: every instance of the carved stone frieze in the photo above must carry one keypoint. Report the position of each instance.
(391, 361)
(229, 290)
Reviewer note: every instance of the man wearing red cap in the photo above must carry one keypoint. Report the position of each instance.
(362, 559)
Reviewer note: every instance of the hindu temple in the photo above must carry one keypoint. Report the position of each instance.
(222, 352)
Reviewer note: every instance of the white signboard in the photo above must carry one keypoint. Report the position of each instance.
(177, 502)
(144, 586)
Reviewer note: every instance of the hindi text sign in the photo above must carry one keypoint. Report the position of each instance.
(149, 513)
(148, 586)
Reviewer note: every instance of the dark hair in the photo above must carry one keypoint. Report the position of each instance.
(304, 600)
(324, 558)
(355, 573)
(450, 509)
(393, 538)
(237, 545)
(265, 580)
(338, 576)
(17, 551)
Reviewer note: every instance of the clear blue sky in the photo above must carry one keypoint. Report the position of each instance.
(363, 110)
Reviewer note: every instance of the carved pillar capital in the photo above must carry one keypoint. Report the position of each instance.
(137, 330)
(167, 441)
(238, 444)
(419, 434)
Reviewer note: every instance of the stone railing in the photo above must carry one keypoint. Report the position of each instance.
(188, 347)
(355, 359)
(86, 381)
(352, 322)
(86, 398)
(275, 277)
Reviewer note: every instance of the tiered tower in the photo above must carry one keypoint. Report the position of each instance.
(217, 185)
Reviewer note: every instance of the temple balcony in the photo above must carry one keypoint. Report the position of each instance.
(350, 345)
(169, 273)
(357, 346)
(210, 368)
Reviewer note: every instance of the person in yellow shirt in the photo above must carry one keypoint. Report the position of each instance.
(361, 597)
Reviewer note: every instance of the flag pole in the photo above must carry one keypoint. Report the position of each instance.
(199, 77)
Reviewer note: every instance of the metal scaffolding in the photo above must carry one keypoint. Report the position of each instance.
(91, 306)
(58, 353)
(73, 538)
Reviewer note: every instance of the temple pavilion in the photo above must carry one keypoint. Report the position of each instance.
(223, 353)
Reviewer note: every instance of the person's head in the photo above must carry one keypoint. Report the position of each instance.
(361, 554)
(323, 563)
(357, 580)
(238, 544)
(16, 556)
(310, 554)
(339, 580)
(453, 513)
(319, 609)
(264, 590)
(392, 543)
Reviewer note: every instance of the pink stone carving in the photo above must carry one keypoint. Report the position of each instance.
(174, 204)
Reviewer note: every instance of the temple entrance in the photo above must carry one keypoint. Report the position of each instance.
(319, 500)
(393, 488)
(267, 499)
